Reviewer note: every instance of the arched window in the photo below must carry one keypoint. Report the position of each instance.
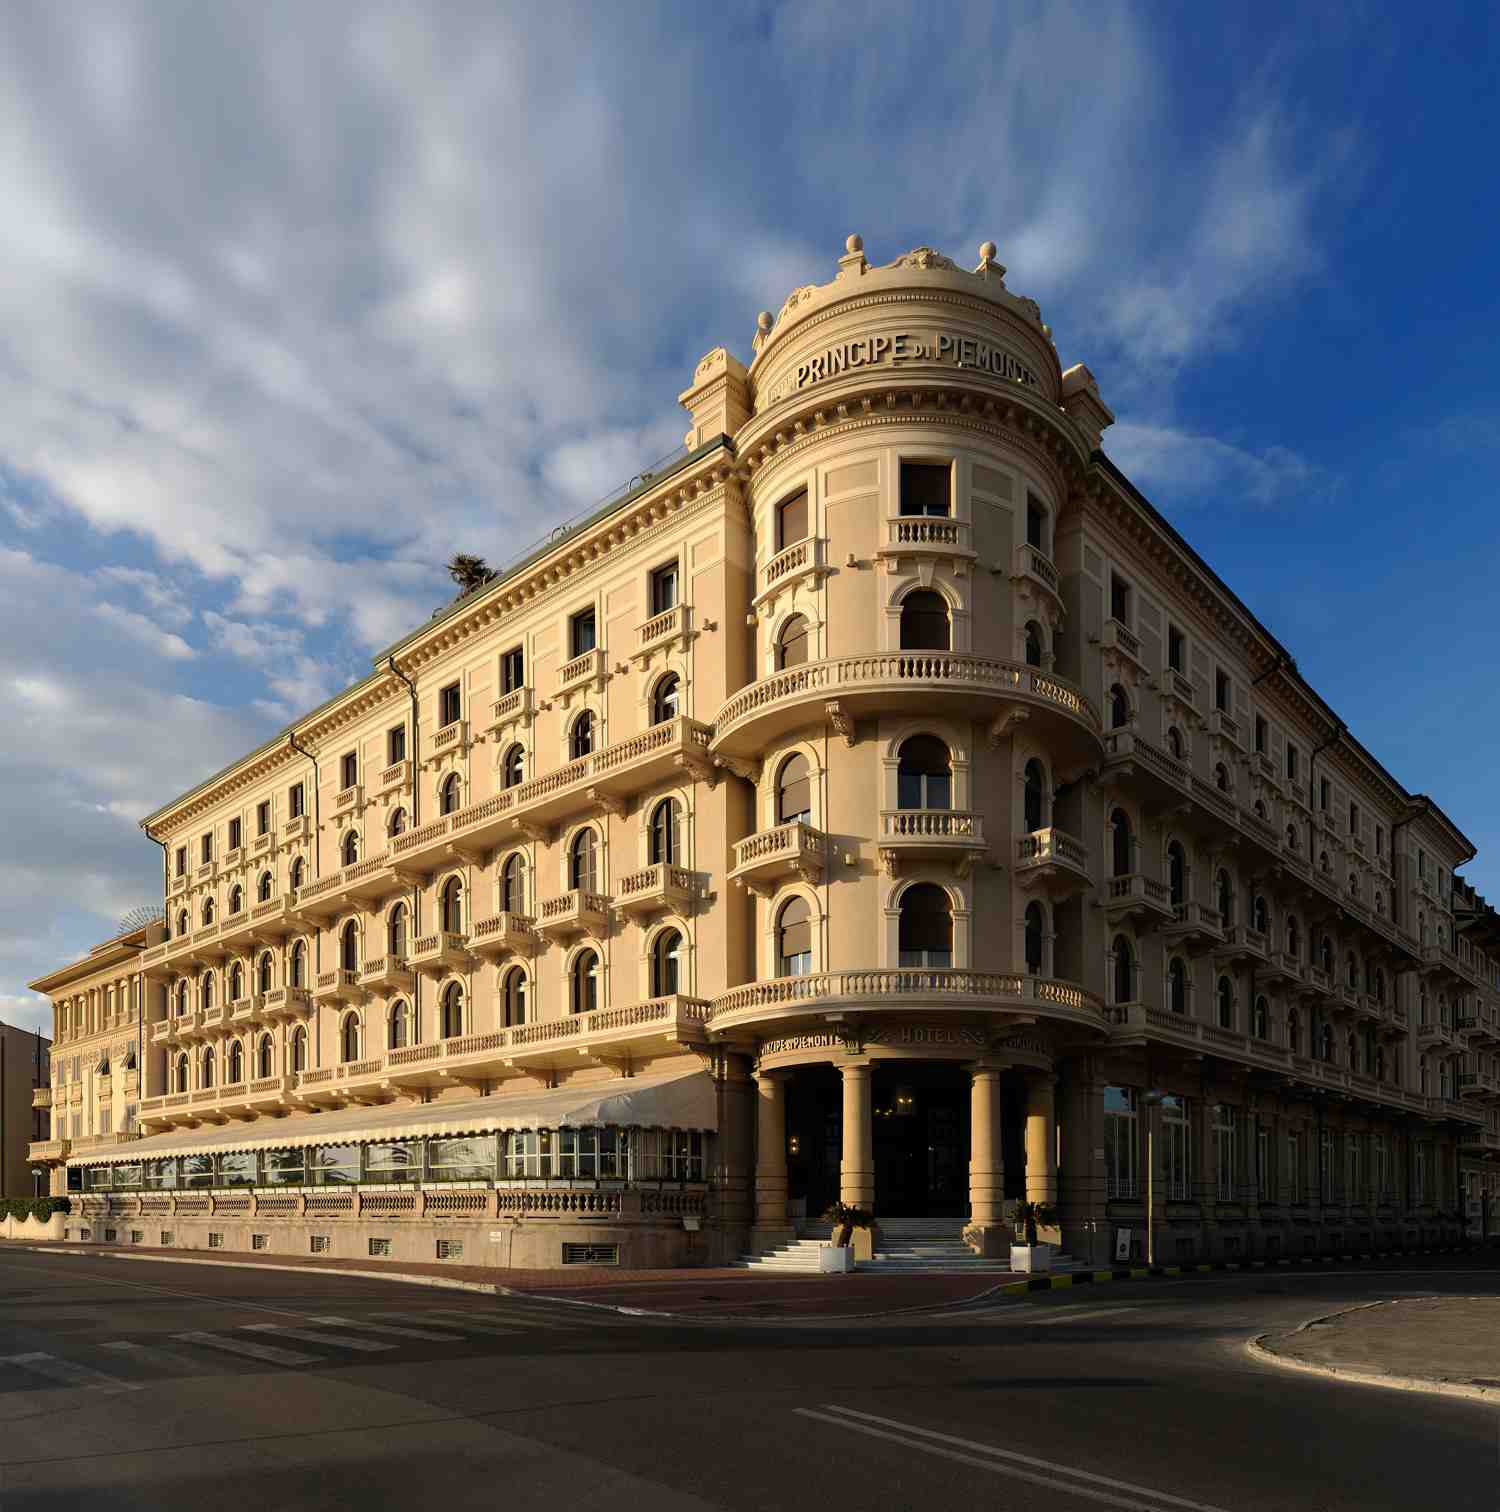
(513, 884)
(1377, 986)
(794, 791)
(299, 1049)
(1424, 1077)
(349, 850)
(349, 947)
(666, 699)
(182, 923)
(1224, 897)
(1325, 956)
(349, 1038)
(583, 861)
(1325, 1042)
(793, 648)
(206, 991)
(208, 910)
(397, 826)
(666, 963)
(1033, 644)
(1379, 902)
(395, 933)
(666, 833)
(1260, 918)
(585, 982)
(1353, 884)
(1176, 873)
(182, 998)
(1221, 777)
(451, 906)
(1291, 837)
(450, 794)
(581, 735)
(1033, 797)
(1226, 1003)
(297, 964)
(1380, 1063)
(235, 1071)
(236, 982)
(1351, 1051)
(298, 874)
(794, 938)
(1119, 708)
(1260, 809)
(513, 997)
(1293, 937)
(1260, 1019)
(1293, 1032)
(263, 888)
(236, 900)
(924, 621)
(206, 1068)
(1035, 924)
(1121, 849)
(398, 1030)
(1323, 865)
(1351, 970)
(1123, 972)
(180, 1073)
(264, 1057)
(513, 766)
(926, 926)
(1177, 985)
(1175, 743)
(924, 778)
(453, 1011)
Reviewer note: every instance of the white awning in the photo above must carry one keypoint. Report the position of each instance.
(680, 1100)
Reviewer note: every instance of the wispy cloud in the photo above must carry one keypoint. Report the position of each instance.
(1194, 470)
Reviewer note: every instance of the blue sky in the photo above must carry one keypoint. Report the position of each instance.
(298, 300)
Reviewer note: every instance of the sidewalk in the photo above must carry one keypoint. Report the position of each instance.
(1448, 1345)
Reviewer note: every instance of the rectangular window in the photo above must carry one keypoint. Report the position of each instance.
(215, 1241)
(259, 1241)
(1421, 862)
(450, 706)
(450, 1249)
(583, 633)
(664, 589)
(180, 861)
(393, 1162)
(395, 744)
(106, 1120)
(130, 1115)
(1036, 523)
(1119, 599)
(1176, 649)
(926, 488)
(1353, 819)
(197, 1170)
(512, 670)
(137, 1236)
(318, 1243)
(1226, 1138)
(1380, 1169)
(1221, 689)
(380, 1249)
(1380, 840)
(1292, 760)
(284, 1167)
(1262, 1161)
(1177, 1149)
(206, 847)
(295, 801)
(1352, 1191)
(791, 520)
(263, 817)
(235, 836)
(1121, 1143)
(1262, 733)
(1324, 793)
(348, 769)
(335, 1165)
(168, 1238)
(237, 1169)
(1325, 1169)
(461, 1159)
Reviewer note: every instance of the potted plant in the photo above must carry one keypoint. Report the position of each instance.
(1029, 1255)
(839, 1255)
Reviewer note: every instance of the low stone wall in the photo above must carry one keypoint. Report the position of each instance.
(34, 1229)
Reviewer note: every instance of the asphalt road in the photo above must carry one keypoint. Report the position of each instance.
(133, 1385)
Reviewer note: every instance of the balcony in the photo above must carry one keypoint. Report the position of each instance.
(394, 778)
(911, 537)
(339, 986)
(245, 1012)
(349, 800)
(1242, 943)
(763, 860)
(656, 889)
(387, 974)
(49, 1151)
(1195, 925)
(1478, 1084)
(296, 828)
(154, 962)
(1285, 966)
(453, 736)
(1318, 982)
(574, 912)
(590, 669)
(1122, 641)
(802, 559)
(263, 845)
(206, 944)
(286, 1003)
(942, 683)
(1128, 754)
(1052, 861)
(1141, 1023)
(671, 630)
(189, 1026)
(1223, 726)
(509, 709)
(438, 954)
(271, 1095)
(321, 899)
(953, 835)
(272, 920)
(1475, 1141)
(1266, 769)
(236, 931)
(504, 934)
(1433, 1035)
(163, 1031)
(1139, 897)
(608, 1036)
(1033, 568)
(41, 1097)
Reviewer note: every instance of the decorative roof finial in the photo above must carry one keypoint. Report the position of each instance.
(987, 250)
(987, 263)
(763, 320)
(855, 243)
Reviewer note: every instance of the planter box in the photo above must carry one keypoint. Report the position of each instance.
(836, 1259)
(1030, 1257)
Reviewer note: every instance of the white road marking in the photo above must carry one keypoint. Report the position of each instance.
(250, 1351)
(387, 1328)
(1005, 1461)
(466, 1326)
(314, 1336)
(500, 1314)
(1077, 1317)
(156, 1354)
(68, 1373)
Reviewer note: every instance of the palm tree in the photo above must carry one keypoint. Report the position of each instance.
(469, 572)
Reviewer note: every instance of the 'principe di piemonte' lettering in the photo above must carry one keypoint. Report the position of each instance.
(868, 351)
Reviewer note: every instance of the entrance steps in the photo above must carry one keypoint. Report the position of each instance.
(906, 1245)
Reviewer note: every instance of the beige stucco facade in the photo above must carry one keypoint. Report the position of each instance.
(887, 770)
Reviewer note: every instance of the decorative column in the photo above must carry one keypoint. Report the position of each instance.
(987, 1232)
(1041, 1139)
(770, 1157)
(857, 1168)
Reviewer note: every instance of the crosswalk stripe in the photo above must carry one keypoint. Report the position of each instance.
(313, 1336)
(155, 1354)
(1079, 1316)
(67, 1372)
(390, 1328)
(498, 1314)
(250, 1351)
(464, 1327)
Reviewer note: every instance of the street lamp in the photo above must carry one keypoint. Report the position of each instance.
(1152, 1099)
(37, 1172)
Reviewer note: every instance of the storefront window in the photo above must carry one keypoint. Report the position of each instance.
(335, 1165)
(1121, 1143)
(461, 1160)
(197, 1170)
(128, 1177)
(161, 1174)
(393, 1162)
(284, 1167)
(1177, 1149)
(237, 1169)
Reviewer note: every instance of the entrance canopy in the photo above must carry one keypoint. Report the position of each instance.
(682, 1100)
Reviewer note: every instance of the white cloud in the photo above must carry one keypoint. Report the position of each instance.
(1196, 469)
(26, 1011)
(138, 628)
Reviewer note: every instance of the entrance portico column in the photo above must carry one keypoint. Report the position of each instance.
(1041, 1139)
(770, 1150)
(857, 1167)
(986, 1159)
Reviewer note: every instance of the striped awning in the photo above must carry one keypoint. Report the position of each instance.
(680, 1100)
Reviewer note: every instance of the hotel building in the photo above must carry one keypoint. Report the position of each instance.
(881, 801)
